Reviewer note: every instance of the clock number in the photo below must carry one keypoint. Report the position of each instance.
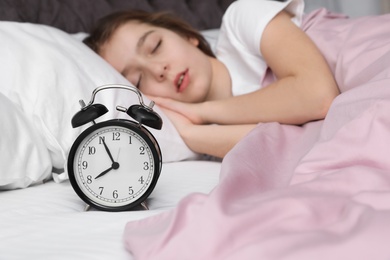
(91, 150)
(84, 164)
(131, 191)
(141, 180)
(115, 194)
(142, 150)
(146, 166)
(101, 139)
(130, 140)
(89, 179)
(101, 190)
(116, 136)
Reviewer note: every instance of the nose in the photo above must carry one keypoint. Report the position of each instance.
(159, 71)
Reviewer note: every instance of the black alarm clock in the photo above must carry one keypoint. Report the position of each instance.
(114, 165)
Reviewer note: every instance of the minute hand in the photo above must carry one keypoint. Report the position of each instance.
(108, 151)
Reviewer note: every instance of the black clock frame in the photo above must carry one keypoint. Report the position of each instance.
(133, 126)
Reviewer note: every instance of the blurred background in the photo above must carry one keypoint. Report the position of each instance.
(353, 8)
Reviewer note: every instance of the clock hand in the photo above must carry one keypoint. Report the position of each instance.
(108, 151)
(114, 166)
(104, 172)
(119, 151)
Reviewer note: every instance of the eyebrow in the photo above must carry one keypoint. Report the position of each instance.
(141, 40)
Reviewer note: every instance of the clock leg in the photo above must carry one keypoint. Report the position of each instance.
(87, 207)
(144, 205)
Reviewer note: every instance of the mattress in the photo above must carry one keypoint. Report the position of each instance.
(49, 221)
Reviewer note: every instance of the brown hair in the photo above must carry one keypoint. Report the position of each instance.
(106, 27)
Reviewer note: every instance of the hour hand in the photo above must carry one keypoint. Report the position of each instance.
(103, 173)
(114, 166)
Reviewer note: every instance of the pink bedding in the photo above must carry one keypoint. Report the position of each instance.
(317, 191)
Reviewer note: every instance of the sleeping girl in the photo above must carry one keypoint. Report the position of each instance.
(265, 69)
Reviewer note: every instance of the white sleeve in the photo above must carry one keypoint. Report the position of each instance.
(247, 19)
(238, 45)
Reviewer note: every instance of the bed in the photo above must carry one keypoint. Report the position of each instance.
(45, 70)
(316, 191)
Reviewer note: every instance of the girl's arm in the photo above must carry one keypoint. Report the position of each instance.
(304, 88)
(214, 140)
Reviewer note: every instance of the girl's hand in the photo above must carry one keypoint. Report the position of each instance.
(180, 122)
(193, 112)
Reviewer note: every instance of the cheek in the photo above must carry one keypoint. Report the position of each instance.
(199, 91)
(153, 89)
(132, 80)
(201, 82)
(147, 90)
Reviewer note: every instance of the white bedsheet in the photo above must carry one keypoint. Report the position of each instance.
(48, 221)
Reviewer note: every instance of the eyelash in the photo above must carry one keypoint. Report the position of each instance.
(139, 82)
(157, 46)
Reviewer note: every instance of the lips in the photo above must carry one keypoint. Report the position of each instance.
(181, 81)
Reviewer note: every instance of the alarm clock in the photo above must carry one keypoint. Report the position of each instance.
(114, 165)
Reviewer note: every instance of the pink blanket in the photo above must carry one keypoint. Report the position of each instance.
(319, 191)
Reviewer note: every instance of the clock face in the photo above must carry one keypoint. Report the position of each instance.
(114, 165)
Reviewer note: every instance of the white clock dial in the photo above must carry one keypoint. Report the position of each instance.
(114, 166)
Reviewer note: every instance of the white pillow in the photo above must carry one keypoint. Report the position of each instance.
(46, 71)
(211, 36)
(24, 158)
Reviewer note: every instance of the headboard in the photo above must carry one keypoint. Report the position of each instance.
(75, 16)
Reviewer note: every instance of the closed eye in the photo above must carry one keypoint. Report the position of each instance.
(157, 46)
(138, 82)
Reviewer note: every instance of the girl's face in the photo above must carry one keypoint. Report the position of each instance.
(160, 62)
